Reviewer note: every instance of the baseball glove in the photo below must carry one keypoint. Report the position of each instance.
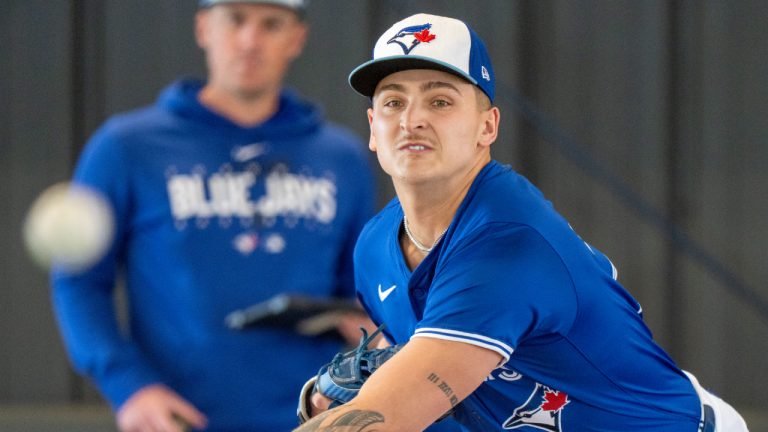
(341, 379)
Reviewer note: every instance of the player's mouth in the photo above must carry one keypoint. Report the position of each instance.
(415, 146)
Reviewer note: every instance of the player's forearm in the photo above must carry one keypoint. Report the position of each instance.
(347, 418)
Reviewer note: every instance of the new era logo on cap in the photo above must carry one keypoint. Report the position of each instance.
(426, 41)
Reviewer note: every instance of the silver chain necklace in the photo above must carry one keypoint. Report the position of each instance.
(425, 250)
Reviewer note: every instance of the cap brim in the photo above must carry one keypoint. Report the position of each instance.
(367, 76)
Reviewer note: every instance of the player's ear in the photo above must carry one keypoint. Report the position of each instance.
(201, 24)
(372, 138)
(489, 126)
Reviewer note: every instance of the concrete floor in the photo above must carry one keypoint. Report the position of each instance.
(56, 418)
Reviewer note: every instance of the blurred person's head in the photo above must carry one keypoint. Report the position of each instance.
(249, 45)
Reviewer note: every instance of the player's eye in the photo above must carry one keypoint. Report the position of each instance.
(441, 103)
(393, 103)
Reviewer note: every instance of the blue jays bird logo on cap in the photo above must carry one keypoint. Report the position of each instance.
(420, 34)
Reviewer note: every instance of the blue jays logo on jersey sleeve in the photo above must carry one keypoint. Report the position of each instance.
(420, 34)
(541, 410)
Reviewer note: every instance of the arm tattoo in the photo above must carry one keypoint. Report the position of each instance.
(351, 421)
(445, 388)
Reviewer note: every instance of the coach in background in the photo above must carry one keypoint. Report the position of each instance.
(508, 320)
(227, 192)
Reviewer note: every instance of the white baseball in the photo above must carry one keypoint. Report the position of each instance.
(68, 225)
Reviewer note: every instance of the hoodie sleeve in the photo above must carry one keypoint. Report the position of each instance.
(84, 302)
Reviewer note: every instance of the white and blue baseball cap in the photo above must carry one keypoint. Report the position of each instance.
(424, 41)
(299, 6)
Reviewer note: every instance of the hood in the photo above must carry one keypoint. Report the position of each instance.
(295, 116)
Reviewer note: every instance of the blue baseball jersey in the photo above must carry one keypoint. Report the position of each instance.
(511, 276)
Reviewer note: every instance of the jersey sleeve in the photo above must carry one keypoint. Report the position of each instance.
(83, 302)
(498, 287)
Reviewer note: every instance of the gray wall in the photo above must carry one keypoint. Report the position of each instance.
(669, 97)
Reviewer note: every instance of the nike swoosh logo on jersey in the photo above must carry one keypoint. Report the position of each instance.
(384, 294)
(247, 152)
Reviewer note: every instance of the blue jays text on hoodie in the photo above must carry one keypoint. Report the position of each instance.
(212, 217)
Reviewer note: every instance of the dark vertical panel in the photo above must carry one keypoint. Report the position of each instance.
(147, 45)
(87, 60)
(745, 205)
(529, 18)
(332, 51)
(34, 152)
(685, 305)
(6, 190)
(724, 173)
(675, 203)
(87, 105)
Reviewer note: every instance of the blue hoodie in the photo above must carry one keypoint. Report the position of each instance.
(212, 217)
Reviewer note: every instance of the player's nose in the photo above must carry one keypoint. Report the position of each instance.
(412, 118)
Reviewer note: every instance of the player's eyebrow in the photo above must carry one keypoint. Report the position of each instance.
(431, 85)
(392, 86)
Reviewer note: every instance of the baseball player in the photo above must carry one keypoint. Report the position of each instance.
(504, 318)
